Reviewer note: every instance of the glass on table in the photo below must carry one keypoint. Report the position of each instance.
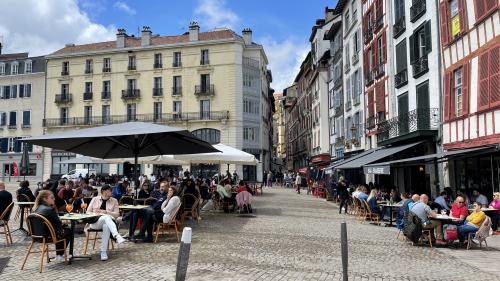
(443, 212)
(69, 208)
(83, 206)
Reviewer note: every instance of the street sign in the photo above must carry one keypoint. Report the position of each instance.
(378, 170)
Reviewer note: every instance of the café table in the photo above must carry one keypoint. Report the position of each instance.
(133, 209)
(74, 218)
(390, 206)
(23, 206)
(442, 217)
(485, 209)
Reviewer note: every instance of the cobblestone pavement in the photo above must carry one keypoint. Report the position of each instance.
(289, 237)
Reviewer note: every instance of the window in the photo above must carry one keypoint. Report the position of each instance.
(177, 85)
(347, 58)
(177, 60)
(177, 107)
(14, 68)
(65, 89)
(346, 21)
(64, 114)
(11, 145)
(2, 68)
(25, 90)
(453, 19)
(380, 49)
(13, 118)
(13, 91)
(65, 68)
(157, 83)
(106, 86)
(249, 134)
(399, 10)
(88, 87)
(484, 8)
(157, 112)
(106, 65)
(26, 118)
(131, 112)
(355, 42)
(420, 42)
(89, 68)
(87, 114)
(28, 66)
(131, 84)
(458, 91)
(354, 12)
(204, 109)
(106, 114)
(204, 57)
(131, 62)
(158, 61)
(209, 135)
(3, 118)
(205, 82)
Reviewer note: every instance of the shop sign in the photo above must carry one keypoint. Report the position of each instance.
(455, 26)
(378, 170)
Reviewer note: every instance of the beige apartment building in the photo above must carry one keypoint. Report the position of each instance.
(214, 84)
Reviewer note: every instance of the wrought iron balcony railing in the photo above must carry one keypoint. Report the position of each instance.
(87, 96)
(348, 105)
(176, 64)
(369, 78)
(417, 9)
(368, 35)
(131, 67)
(105, 95)
(106, 69)
(153, 118)
(131, 94)
(379, 23)
(339, 110)
(157, 65)
(337, 82)
(424, 119)
(204, 62)
(89, 70)
(176, 91)
(399, 27)
(337, 55)
(204, 90)
(379, 71)
(371, 122)
(347, 67)
(64, 72)
(63, 98)
(420, 66)
(157, 92)
(355, 58)
(401, 78)
(339, 142)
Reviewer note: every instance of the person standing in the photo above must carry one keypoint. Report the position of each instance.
(270, 179)
(343, 194)
(298, 182)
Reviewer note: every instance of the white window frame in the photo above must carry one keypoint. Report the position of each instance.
(11, 144)
(28, 66)
(2, 68)
(457, 91)
(14, 68)
(29, 121)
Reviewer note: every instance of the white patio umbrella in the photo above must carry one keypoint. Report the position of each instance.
(157, 160)
(227, 155)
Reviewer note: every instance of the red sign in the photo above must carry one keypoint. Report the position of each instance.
(15, 170)
(303, 170)
(325, 157)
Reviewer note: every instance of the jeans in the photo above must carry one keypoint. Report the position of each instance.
(494, 221)
(108, 226)
(464, 230)
(344, 202)
(66, 234)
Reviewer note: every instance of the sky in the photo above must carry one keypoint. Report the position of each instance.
(283, 27)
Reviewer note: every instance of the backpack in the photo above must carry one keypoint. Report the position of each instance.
(412, 227)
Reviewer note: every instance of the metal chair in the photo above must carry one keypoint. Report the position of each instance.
(4, 221)
(95, 238)
(172, 223)
(42, 231)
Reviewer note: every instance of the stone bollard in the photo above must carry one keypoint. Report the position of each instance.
(183, 258)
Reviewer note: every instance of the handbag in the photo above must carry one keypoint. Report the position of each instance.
(451, 233)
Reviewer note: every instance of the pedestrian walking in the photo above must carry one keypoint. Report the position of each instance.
(343, 194)
(298, 182)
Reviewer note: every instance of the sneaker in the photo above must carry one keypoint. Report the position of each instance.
(199, 218)
(119, 239)
(440, 242)
(104, 256)
(59, 258)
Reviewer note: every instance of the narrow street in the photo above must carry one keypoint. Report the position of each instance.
(289, 237)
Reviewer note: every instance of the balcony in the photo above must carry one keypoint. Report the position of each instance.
(420, 67)
(177, 91)
(417, 9)
(348, 105)
(339, 110)
(157, 65)
(177, 64)
(204, 90)
(418, 122)
(337, 55)
(355, 58)
(337, 82)
(401, 78)
(339, 142)
(379, 23)
(63, 98)
(105, 95)
(106, 69)
(369, 78)
(152, 118)
(12, 126)
(157, 92)
(347, 67)
(89, 70)
(369, 34)
(131, 67)
(204, 62)
(399, 27)
(379, 71)
(87, 96)
(26, 126)
(64, 72)
(131, 94)
(371, 122)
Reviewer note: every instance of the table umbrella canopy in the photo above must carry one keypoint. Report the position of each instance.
(227, 155)
(155, 160)
(84, 160)
(125, 140)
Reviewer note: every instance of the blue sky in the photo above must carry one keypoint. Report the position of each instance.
(283, 27)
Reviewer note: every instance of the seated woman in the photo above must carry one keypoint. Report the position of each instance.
(372, 203)
(472, 223)
(144, 192)
(495, 215)
(242, 186)
(45, 206)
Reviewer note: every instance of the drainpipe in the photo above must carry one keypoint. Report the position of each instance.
(439, 172)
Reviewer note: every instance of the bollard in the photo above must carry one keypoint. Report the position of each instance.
(343, 246)
(183, 258)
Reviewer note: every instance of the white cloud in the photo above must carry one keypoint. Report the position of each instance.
(214, 13)
(284, 58)
(46, 25)
(120, 5)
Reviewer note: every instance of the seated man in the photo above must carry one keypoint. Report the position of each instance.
(414, 199)
(459, 210)
(441, 200)
(424, 212)
(67, 192)
(363, 194)
(479, 198)
(107, 206)
(5, 198)
(472, 223)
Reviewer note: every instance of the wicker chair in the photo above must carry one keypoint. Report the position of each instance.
(4, 221)
(26, 210)
(166, 226)
(96, 237)
(189, 207)
(369, 215)
(42, 231)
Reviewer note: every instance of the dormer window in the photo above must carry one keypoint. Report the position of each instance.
(2, 68)
(28, 66)
(14, 68)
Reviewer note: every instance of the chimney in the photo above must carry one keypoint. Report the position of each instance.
(120, 38)
(194, 31)
(247, 36)
(146, 36)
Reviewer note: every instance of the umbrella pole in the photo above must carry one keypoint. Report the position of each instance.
(136, 179)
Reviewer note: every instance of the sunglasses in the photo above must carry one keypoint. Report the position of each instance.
(461, 202)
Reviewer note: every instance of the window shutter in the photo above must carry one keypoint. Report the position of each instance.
(445, 34)
(447, 95)
(380, 97)
(17, 145)
(483, 93)
(28, 91)
(479, 8)
(374, 55)
(494, 61)
(14, 91)
(380, 10)
(412, 49)
(384, 47)
(428, 36)
(365, 64)
(490, 5)
(370, 103)
(462, 15)
(465, 88)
